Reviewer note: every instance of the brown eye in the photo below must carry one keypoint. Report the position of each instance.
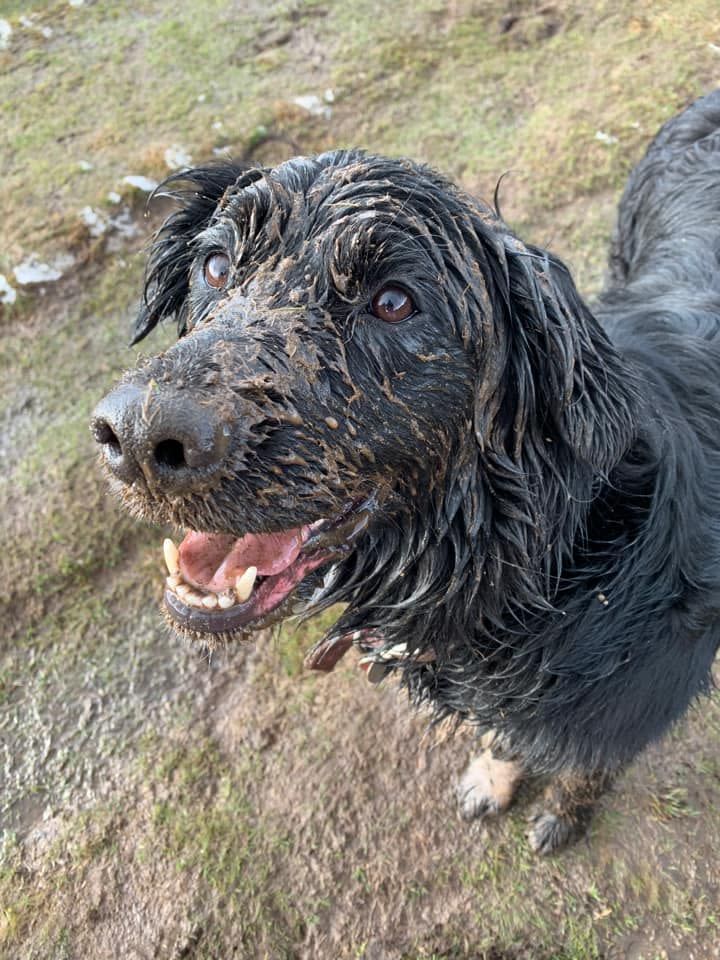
(392, 305)
(217, 270)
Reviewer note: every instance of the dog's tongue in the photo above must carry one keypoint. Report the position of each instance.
(213, 561)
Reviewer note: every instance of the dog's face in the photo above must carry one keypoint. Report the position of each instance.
(366, 361)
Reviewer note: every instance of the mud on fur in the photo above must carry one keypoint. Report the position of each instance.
(381, 397)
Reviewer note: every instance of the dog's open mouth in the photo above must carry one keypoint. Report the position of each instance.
(220, 584)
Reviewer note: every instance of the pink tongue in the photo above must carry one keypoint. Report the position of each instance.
(213, 561)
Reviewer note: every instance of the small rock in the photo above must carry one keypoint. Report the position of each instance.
(314, 105)
(114, 197)
(32, 270)
(95, 222)
(8, 294)
(177, 157)
(76, 3)
(85, 166)
(140, 183)
(124, 224)
(5, 34)
(605, 137)
(329, 96)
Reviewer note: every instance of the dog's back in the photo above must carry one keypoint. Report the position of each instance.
(662, 304)
(669, 216)
(665, 254)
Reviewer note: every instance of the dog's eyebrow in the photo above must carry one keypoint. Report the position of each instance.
(221, 233)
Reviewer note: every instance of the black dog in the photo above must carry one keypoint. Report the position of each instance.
(380, 396)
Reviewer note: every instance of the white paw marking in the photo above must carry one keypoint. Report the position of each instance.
(487, 786)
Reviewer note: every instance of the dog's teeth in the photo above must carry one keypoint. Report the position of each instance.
(210, 602)
(171, 554)
(174, 581)
(245, 583)
(225, 600)
(194, 599)
(183, 590)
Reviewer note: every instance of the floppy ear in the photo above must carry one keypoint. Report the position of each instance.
(198, 192)
(555, 409)
(556, 377)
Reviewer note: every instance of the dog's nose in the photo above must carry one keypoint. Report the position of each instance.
(163, 435)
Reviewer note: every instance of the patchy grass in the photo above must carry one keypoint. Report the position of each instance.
(159, 803)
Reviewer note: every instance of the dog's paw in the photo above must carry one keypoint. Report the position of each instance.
(550, 832)
(487, 786)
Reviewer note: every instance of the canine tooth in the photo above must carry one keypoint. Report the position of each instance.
(245, 583)
(225, 601)
(210, 601)
(171, 554)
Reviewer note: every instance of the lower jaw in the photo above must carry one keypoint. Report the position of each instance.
(261, 610)
(236, 622)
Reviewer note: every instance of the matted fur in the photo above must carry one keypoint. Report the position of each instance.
(547, 475)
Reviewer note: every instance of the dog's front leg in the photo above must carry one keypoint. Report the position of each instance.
(488, 784)
(565, 810)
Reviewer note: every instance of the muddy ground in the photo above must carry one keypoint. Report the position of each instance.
(157, 804)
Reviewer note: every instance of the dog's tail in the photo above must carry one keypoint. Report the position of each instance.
(668, 230)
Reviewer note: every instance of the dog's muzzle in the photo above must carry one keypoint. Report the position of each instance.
(159, 434)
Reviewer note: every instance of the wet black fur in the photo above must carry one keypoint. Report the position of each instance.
(548, 473)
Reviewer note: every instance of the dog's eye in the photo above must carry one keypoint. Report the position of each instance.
(217, 270)
(392, 304)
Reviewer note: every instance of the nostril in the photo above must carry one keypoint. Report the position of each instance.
(105, 435)
(170, 453)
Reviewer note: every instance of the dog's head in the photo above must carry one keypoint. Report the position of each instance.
(378, 396)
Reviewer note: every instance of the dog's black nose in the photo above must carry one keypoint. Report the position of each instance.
(160, 434)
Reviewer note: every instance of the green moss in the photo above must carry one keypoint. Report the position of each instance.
(210, 828)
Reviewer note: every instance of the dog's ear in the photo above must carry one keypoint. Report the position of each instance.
(198, 192)
(552, 374)
(555, 411)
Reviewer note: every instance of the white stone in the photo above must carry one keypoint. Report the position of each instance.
(95, 222)
(314, 105)
(605, 137)
(33, 270)
(8, 294)
(177, 158)
(5, 34)
(140, 183)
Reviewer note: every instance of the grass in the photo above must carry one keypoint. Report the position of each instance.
(157, 801)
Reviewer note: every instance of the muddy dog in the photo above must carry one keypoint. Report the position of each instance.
(381, 397)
